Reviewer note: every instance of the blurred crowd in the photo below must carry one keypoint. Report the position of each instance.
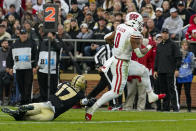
(91, 19)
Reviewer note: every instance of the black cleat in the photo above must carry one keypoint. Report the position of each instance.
(25, 108)
(14, 113)
(10, 111)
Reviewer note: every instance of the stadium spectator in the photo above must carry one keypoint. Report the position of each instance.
(183, 12)
(159, 19)
(77, 12)
(131, 8)
(166, 8)
(107, 5)
(5, 78)
(67, 47)
(174, 23)
(191, 4)
(149, 9)
(7, 3)
(156, 3)
(39, 5)
(74, 28)
(145, 17)
(3, 32)
(29, 8)
(116, 8)
(63, 5)
(22, 55)
(82, 3)
(191, 29)
(12, 10)
(151, 27)
(167, 69)
(85, 9)
(67, 25)
(93, 9)
(31, 31)
(186, 73)
(85, 33)
(88, 19)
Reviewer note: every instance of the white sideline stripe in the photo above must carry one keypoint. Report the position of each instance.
(95, 122)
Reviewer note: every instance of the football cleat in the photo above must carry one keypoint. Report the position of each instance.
(88, 116)
(161, 96)
(14, 113)
(25, 108)
(10, 111)
(152, 97)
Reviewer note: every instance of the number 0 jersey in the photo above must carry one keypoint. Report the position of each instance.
(122, 45)
(65, 97)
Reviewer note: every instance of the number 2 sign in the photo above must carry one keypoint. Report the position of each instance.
(50, 17)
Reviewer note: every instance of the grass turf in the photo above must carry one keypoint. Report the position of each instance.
(106, 121)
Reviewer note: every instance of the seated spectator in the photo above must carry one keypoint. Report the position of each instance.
(74, 28)
(166, 7)
(7, 5)
(29, 7)
(190, 34)
(12, 10)
(3, 32)
(67, 47)
(11, 21)
(85, 9)
(77, 12)
(88, 19)
(1, 15)
(30, 30)
(39, 5)
(191, 5)
(93, 9)
(183, 12)
(85, 33)
(116, 8)
(99, 13)
(151, 27)
(159, 19)
(186, 73)
(67, 24)
(131, 8)
(149, 9)
(174, 23)
(107, 4)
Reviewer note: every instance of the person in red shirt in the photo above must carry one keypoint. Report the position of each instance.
(191, 29)
(135, 86)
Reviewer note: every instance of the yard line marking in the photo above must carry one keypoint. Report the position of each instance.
(95, 122)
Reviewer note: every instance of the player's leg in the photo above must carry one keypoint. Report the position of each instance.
(41, 111)
(131, 93)
(141, 96)
(119, 70)
(138, 69)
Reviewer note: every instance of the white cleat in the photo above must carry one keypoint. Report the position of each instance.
(152, 97)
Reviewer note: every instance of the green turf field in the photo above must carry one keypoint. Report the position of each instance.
(107, 121)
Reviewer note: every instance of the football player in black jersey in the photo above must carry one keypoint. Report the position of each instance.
(67, 95)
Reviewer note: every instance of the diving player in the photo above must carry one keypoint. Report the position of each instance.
(67, 95)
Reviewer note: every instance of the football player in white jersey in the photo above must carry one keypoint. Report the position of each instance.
(126, 38)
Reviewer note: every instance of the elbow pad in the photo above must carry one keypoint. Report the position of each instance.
(138, 53)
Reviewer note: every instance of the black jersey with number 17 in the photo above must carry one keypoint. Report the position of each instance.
(65, 97)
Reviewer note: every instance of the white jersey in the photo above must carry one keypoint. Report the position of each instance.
(122, 45)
